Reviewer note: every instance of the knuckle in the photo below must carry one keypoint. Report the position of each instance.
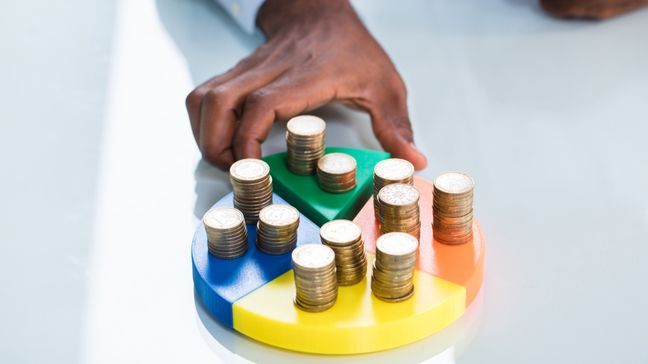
(194, 99)
(215, 154)
(257, 99)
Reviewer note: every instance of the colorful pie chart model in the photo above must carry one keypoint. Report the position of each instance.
(254, 294)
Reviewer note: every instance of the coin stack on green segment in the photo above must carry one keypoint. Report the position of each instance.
(226, 232)
(452, 208)
(392, 278)
(336, 172)
(345, 238)
(277, 229)
(305, 142)
(252, 185)
(315, 279)
(389, 171)
(398, 209)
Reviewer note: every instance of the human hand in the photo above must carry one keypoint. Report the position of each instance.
(592, 9)
(316, 52)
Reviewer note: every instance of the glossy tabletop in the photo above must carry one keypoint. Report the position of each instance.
(102, 185)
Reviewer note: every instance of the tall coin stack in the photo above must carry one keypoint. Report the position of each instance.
(398, 209)
(305, 141)
(393, 273)
(452, 208)
(315, 280)
(389, 171)
(336, 172)
(277, 229)
(252, 187)
(345, 238)
(226, 232)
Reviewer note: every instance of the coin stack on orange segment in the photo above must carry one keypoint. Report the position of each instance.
(453, 208)
(389, 171)
(398, 209)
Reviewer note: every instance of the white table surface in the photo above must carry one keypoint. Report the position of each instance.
(101, 181)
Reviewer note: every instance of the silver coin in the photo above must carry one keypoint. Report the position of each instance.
(278, 215)
(398, 194)
(394, 169)
(223, 218)
(454, 183)
(249, 169)
(397, 243)
(306, 125)
(313, 256)
(340, 231)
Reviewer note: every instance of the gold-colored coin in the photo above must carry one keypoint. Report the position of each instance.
(398, 209)
(305, 143)
(452, 208)
(226, 232)
(336, 172)
(316, 286)
(277, 229)
(392, 278)
(345, 238)
(252, 185)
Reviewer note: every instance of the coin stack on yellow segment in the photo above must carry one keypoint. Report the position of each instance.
(277, 229)
(305, 142)
(336, 172)
(226, 232)
(398, 209)
(345, 238)
(452, 208)
(392, 278)
(389, 171)
(315, 280)
(252, 185)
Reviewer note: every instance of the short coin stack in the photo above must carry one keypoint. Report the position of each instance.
(252, 187)
(345, 238)
(336, 172)
(315, 279)
(398, 209)
(452, 208)
(305, 141)
(226, 233)
(389, 171)
(277, 229)
(393, 272)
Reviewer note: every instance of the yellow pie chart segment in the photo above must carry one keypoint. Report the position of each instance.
(357, 323)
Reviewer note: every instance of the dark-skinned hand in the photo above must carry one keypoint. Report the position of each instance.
(317, 51)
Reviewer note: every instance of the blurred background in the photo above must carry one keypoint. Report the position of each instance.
(102, 184)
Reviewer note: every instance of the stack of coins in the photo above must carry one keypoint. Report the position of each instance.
(345, 238)
(336, 172)
(315, 279)
(305, 141)
(252, 187)
(389, 171)
(398, 209)
(277, 229)
(393, 273)
(452, 208)
(226, 232)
